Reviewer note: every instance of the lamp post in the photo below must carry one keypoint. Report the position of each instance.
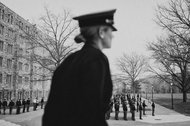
(3, 92)
(152, 93)
(172, 95)
(146, 92)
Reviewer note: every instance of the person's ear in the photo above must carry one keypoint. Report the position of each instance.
(101, 32)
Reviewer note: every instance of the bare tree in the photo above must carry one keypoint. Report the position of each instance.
(175, 18)
(132, 66)
(173, 55)
(120, 81)
(52, 40)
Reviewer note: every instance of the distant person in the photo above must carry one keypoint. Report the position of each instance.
(42, 103)
(1, 104)
(11, 105)
(18, 106)
(35, 102)
(4, 106)
(28, 104)
(137, 105)
(116, 106)
(153, 108)
(81, 86)
(24, 105)
(125, 110)
(144, 107)
(140, 111)
(132, 107)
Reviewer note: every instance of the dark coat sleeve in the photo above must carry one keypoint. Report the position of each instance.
(94, 88)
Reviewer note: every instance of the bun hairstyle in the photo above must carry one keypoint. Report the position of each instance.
(87, 34)
(79, 38)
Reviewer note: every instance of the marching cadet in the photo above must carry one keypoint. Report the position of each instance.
(137, 105)
(4, 106)
(28, 104)
(132, 107)
(24, 105)
(123, 99)
(125, 110)
(140, 111)
(153, 108)
(0, 105)
(35, 104)
(140, 99)
(42, 103)
(117, 104)
(11, 105)
(18, 105)
(144, 106)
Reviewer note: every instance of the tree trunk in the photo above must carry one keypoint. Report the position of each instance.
(184, 96)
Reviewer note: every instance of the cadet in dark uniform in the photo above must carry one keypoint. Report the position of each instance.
(0, 105)
(125, 110)
(4, 106)
(144, 107)
(18, 105)
(42, 103)
(81, 85)
(132, 107)
(137, 105)
(116, 106)
(11, 105)
(153, 108)
(140, 111)
(24, 105)
(28, 104)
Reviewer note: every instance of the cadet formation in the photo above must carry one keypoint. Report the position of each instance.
(128, 104)
(20, 106)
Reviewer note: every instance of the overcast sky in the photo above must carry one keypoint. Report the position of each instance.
(133, 19)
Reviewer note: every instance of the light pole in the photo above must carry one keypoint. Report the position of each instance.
(146, 92)
(3, 93)
(152, 93)
(172, 95)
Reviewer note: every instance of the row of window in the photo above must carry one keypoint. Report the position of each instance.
(9, 33)
(6, 16)
(9, 64)
(8, 79)
(9, 47)
(9, 18)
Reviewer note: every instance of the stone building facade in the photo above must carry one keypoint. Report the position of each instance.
(19, 75)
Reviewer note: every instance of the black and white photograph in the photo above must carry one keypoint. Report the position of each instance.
(94, 62)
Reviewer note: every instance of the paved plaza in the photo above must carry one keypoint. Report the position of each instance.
(163, 117)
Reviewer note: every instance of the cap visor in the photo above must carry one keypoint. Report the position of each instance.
(113, 28)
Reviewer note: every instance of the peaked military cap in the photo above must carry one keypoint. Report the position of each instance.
(98, 18)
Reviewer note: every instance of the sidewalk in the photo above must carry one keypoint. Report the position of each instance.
(10, 120)
(6, 123)
(163, 117)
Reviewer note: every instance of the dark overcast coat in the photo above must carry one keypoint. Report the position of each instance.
(80, 91)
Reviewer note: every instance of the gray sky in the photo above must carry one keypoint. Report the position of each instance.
(133, 19)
